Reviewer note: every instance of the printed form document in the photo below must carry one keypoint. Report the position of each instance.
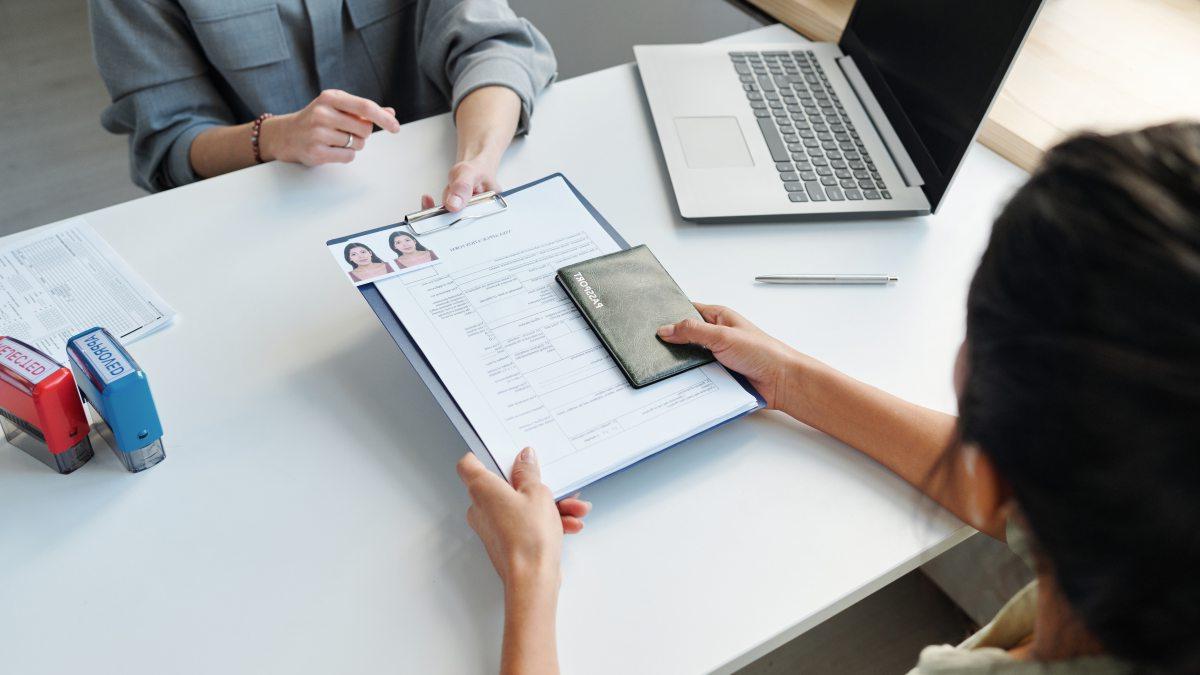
(61, 279)
(524, 365)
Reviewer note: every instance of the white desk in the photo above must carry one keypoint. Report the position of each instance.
(308, 518)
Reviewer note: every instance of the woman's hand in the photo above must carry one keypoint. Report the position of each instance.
(467, 179)
(741, 347)
(318, 133)
(487, 119)
(520, 525)
(522, 529)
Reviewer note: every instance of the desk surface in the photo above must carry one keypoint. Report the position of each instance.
(308, 518)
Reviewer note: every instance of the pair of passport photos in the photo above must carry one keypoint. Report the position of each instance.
(625, 297)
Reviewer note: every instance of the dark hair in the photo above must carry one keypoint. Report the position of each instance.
(392, 241)
(1083, 381)
(355, 244)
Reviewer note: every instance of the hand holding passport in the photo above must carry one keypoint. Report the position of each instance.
(626, 296)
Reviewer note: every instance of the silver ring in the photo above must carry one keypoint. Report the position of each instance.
(349, 140)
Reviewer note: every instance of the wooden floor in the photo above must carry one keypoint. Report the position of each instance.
(56, 161)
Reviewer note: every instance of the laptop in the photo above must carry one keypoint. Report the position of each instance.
(875, 125)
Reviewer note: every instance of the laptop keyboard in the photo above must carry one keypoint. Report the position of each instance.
(817, 152)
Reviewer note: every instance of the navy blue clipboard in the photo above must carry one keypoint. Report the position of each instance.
(429, 376)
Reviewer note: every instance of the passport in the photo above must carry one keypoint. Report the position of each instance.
(625, 296)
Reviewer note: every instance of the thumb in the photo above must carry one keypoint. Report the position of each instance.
(457, 193)
(525, 471)
(695, 331)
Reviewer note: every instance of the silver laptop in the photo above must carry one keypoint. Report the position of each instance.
(875, 125)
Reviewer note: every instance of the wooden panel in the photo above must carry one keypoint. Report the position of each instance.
(820, 20)
(1088, 64)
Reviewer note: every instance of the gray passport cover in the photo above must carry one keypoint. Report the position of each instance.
(626, 296)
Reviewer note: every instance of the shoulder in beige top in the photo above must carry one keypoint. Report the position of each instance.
(987, 651)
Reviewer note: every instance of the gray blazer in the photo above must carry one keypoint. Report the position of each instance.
(177, 67)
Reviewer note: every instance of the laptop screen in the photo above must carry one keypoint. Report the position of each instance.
(935, 66)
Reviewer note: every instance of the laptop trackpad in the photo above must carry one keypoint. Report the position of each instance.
(712, 142)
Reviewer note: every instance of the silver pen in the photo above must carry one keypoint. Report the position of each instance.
(825, 279)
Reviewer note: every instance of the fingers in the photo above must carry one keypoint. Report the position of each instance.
(426, 202)
(479, 481)
(328, 146)
(526, 473)
(336, 138)
(459, 190)
(469, 468)
(466, 179)
(349, 124)
(723, 316)
(327, 155)
(694, 331)
(713, 313)
(572, 511)
(335, 126)
(456, 195)
(361, 107)
(574, 507)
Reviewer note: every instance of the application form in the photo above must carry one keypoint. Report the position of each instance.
(523, 364)
(58, 280)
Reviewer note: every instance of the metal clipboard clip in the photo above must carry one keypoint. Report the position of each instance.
(480, 198)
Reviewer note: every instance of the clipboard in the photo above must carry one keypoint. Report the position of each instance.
(454, 413)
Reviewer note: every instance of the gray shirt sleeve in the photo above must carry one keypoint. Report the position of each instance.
(159, 82)
(468, 44)
(172, 75)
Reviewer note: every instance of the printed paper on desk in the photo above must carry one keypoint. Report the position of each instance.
(61, 279)
(520, 360)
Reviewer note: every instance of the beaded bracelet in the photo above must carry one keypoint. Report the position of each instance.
(255, 132)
